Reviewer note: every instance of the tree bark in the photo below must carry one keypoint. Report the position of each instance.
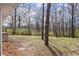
(14, 23)
(43, 22)
(38, 29)
(29, 19)
(63, 22)
(19, 21)
(47, 24)
(56, 22)
(72, 33)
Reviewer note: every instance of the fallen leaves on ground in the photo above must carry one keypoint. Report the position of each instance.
(9, 49)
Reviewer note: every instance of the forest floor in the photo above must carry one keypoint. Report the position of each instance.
(34, 46)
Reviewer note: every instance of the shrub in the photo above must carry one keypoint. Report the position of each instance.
(66, 34)
(36, 34)
(77, 33)
(22, 32)
(51, 34)
(9, 31)
(18, 31)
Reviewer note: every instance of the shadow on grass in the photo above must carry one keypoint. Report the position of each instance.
(52, 51)
(63, 46)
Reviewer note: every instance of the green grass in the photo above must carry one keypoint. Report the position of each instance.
(61, 45)
(18, 31)
(77, 33)
(65, 45)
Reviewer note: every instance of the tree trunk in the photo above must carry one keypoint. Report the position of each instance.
(43, 22)
(14, 23)
(38, 29)
(63, 21)
(47, 24)
(56, 22)
(29, 19)
(19, 22)
(72, 33)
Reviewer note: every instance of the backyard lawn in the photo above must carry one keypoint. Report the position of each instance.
(34, 46)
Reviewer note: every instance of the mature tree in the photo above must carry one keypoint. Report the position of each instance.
(43, 21)
(59, 23)
(14, 22)
(72, 33)
(47, 24)
(37, 27)
(29, 10)
(19, 19)
(55, 30)
(63, 21)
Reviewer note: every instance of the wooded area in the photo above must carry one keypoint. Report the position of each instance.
(45, 20)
